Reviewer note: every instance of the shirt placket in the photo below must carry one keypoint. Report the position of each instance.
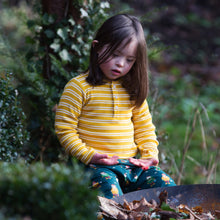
(115, 99)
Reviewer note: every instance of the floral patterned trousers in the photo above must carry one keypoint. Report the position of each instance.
(125, 177)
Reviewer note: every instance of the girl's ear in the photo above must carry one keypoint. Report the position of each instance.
(94, 42)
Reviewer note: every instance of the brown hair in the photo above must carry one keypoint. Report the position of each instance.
(112, 33)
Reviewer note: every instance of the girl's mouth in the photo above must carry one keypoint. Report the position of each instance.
(116, 72)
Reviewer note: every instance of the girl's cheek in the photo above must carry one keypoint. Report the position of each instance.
(130, 66)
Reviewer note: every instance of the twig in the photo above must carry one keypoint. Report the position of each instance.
(155, 96)
(207, 116)
(211, 171)
(190, 211)
(186, 147)
(213, 168)
(204, 146)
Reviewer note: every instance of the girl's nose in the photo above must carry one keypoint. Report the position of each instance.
(120, 62)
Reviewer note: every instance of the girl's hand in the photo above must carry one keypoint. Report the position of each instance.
(104, 159)
(144, 163)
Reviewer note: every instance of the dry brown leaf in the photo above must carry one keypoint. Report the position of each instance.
(217, 214)
(142, 210)
(187, 210)
(197, 209)
(138, 216)
(168, 214)
(163, 197)
(127, 205)
(109, 207)
(122, 216)
(142, 206)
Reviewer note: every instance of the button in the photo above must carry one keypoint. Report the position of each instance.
(116, 96)
(114, 86)
(116, 107)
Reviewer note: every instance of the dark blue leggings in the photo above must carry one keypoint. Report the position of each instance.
(125, 177)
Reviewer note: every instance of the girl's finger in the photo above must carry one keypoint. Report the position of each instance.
(102, 156)
(109, 161)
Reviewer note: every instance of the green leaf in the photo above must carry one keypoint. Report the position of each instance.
(104, 5)
(75, 48)
(65, 56)
(49, 33)
(29, 40)
(72, 22)
(166, 207)
(31, 23)
(83, 13)
(62, 33)
(55, 47)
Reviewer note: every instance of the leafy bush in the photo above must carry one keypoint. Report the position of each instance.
(13, 133)
(63, 48)
(46, 192)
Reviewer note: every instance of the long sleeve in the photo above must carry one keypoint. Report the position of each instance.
(66, 122)
(144, 132)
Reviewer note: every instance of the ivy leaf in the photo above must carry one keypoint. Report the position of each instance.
(72, 22)
(76, 49)
(47, 19)
(83, 13)
(31, 23)
(62, 33)
(65, 56)
(104, 5)
(49, 33)
(55, 47)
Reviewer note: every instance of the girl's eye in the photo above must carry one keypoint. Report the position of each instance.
(130, 60)
(115, 55)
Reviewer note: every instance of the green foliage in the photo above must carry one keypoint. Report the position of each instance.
(60, 50)
(66, 43)
(186, 116)
(13, 133)
(13, 31)
(46, 192)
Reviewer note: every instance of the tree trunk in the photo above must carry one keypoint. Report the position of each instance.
(61, 9)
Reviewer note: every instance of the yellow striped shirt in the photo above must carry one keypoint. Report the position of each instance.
(102, 119)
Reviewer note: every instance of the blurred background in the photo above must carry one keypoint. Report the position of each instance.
(44, 44)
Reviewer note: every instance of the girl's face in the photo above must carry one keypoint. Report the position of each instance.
(121, 61)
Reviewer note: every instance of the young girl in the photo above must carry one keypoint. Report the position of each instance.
(103, 117)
